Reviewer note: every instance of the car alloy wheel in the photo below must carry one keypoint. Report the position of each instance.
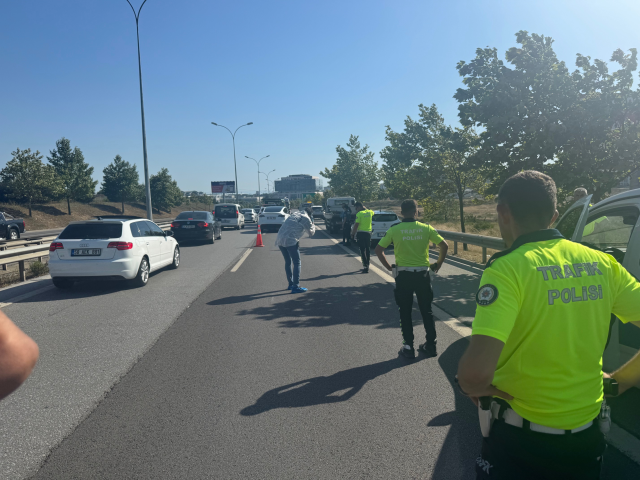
(176, 258)
(13, 234)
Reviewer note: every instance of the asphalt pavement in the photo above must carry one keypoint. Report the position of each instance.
(251, 381)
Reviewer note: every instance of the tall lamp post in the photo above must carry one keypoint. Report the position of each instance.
(147, 186)
(267, 175)
(233, 136)
(258, 163)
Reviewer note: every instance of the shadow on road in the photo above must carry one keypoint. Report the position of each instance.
(335, 388)
(248, 298)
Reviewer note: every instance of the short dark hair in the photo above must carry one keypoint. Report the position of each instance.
(409, 205)
(359, 205)
(530, 197)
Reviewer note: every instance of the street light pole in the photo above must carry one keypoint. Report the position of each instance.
(267, 175)
(147, 186)
(233, 135)
(258, 163)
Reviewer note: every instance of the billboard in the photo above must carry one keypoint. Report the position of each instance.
(223, 187)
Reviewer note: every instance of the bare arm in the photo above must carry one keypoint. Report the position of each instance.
(18, 356)
(382, 257)
(443, 246)
(354, 230)
(628, 375)
(477, 367)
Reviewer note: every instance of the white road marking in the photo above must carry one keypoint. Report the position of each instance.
(19, 298)
(242, 259)
(618, 437)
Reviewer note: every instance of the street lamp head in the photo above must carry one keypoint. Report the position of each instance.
(267, 156)
(250, 123)
(214, 123)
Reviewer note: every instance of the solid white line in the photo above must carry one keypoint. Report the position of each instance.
(19, 298)
(241, 261)
(618, 437)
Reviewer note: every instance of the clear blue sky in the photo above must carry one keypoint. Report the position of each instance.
(308, 74)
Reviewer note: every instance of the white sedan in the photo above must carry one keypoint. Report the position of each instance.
(380, 223)
(272, 218)
(111, 248)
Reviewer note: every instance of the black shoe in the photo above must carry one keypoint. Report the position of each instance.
(429, 349)
(365, 270)
(407, 352)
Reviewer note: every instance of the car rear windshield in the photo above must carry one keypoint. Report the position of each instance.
(82, 231)
(273, 209)
(192, 216)
(226, 211)
(384, 217)
(317, 209)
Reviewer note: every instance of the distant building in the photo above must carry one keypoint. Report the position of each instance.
(298, 186)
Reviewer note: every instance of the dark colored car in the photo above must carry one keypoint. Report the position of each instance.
(196, 226)
(11, 227)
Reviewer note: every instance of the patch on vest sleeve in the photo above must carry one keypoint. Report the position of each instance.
(486, 295)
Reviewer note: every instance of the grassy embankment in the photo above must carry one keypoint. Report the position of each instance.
(54, 215)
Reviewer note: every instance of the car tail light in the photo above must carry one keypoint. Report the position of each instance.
(24, 225)
(120, 245)
(55, 246)
(281, 215)
(175, 224)
(203, 224)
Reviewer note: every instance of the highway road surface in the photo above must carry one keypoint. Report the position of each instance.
(216, 371)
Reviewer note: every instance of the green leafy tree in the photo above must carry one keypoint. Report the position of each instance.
(355, 172)
(120, 180)
(73, 172)
(27, 179)
(438, 154)
(582, 127)
(165, 193)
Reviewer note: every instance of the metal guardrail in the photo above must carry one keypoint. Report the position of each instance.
(493, 243)
(21, 255)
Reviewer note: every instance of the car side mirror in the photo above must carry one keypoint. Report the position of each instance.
(168, 233)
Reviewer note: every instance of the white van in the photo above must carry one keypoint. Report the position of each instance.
(612, 227)
(230, 215)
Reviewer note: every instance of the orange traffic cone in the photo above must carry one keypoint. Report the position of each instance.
(259, 239)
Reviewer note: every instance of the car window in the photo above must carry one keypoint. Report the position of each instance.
(156, 231)
(611, 229)
(135, 231)
(384, 217)
(226, 211)
(94, 231)
(569, 223)
(273, 209)
(192, 216)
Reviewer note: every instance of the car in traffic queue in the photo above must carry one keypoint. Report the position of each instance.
(229, 215)
(381, 222)
(318, 211)
(611, 226)
(194, 225)
(11, 227)
(272, 218)
(111, 248)
(250, 215)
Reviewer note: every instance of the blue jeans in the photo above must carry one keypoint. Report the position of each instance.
(292, 254)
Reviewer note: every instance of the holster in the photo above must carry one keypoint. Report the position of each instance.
(488, 411)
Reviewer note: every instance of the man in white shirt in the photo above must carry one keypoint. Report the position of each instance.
(288, 240)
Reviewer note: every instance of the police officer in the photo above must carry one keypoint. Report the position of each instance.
(540, 328)
(411, 247)
(346, 225)
(361, 233)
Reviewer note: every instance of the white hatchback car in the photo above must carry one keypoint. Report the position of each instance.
(250, 215)
(271, 218)
(380, 223)
(111, 248)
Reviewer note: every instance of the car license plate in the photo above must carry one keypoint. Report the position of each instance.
(86, 252)
(226, 221)
(188, 226)
(271, 218)
(381, 234)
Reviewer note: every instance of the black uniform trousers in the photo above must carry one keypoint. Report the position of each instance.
(363, 239)
(346, 233)
(511, 453)
(406, 284)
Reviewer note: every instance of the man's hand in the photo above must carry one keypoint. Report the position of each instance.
(436, 266)
(491, 391)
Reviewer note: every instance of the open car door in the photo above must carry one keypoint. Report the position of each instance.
(572, 223)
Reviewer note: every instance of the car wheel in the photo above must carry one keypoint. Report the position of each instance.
(142, 278)
(62, 283)
(238, 227)
(13, 234)
(213, 240)
(242, 226)
(176, 257)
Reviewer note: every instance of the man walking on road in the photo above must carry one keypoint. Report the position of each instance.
(411, 247)
(534, 362)
(288, 240)
(346, 225)
(361, 233)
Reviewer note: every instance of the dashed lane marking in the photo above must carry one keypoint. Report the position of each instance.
(19, 298)
(242, 259)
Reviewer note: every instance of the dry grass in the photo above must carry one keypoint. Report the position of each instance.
(12, 274)
(54, 215)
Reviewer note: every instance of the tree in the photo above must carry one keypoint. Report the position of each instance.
(355, 172)
(436, 153)
(26, 178)
(120, 180)
(165, 193)
(582, 127)
(74, 173)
